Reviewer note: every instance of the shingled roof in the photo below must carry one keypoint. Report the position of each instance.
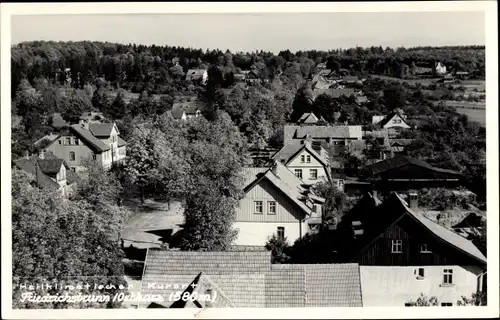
(89, 139)
(290, 150)
(286, 182)
(249, 280)
(32, 167)
(188, 107)
(399, 161)
(101, 129)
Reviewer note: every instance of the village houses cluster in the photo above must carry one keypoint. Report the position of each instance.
(392, 251)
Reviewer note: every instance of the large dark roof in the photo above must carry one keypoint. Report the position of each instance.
(101, 129)
(399, 161)
(32, 166)
(89, 139)
(248, 279)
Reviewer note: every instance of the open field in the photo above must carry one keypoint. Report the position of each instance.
(476, 115)
(469, 85)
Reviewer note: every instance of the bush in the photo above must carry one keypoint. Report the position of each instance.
(279, 248)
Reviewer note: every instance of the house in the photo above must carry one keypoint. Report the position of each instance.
(379, 139)
(335, 135)
(186, 110)
(335, 93)
(197, 76)
(320, 82)
(89, 139)
(236, 279)
(394, 120)
(309, 118)
(278, 202)
(439, 69)
(398, 145)
(402, 254)
(307, 161)
(253, 76)
(403, 173)
(48, 172)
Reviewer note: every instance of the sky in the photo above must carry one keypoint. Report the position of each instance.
(260, 31)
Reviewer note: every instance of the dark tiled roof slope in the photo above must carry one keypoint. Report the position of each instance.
(89, 139)
(101, 129)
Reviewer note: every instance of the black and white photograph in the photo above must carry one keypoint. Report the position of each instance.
(284, 160)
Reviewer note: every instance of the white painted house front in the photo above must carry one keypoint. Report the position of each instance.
(394, 286)
(307, 164)
(275, 202)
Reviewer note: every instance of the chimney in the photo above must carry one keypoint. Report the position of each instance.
(308, 137)
(413, 200)
(274, 168)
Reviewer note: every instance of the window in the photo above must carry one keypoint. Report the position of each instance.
(94, 157)
(302, 158)
(72, 156)
(271, 207)
(397, 246)
(446, 304)
(298, 173)
(60, 141)
(421, 273)
(257, 207)
(308, 159)
(73, 169)
(396, 121)
(448, 276)
(281, 232)
(313, 173)
(341, 183)
(77, 142)
(315, 208)
(423, 248)
(68, 140)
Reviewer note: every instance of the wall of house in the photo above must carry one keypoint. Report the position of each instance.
(122, 152)
(105, 159)
(257, 233)
(112, 141)
(397, 285)
(286, 210)
(306, 167)
(62, 151)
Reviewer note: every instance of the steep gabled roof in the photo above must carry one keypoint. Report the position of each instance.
(89, 139)
(398, 209)
(101, 129)
(32, 166)
(286, 182)
(389, 117)
(293, 148)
